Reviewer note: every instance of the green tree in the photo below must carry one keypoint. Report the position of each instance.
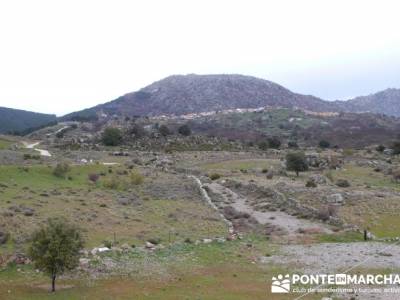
(293, 145)
(185, 130)
(274, 142)
(396, 148)
(324, 144)
(164, 130)
(61, 170)
(263, 145)
(297, 162)
(111, 136)
(55, 248)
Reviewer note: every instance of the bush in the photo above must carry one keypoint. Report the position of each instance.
(108, 244)
(296, 161)
(154, 241)
(111, 136)
(138, 131)
(311, 183)
(164, 130)
(263, 145)
(326, 212)
(293, 145)
(31, 156)
(329, 175)
(396, 148)
(264, 170)
(324, 144)
(61, 170)
(396, 175)
(380, 148)
(184, 130)
(112, 183)
(136, 178)
(93, 177)
(214, 176)
(274, 143)
(342, 183)
(348, 152)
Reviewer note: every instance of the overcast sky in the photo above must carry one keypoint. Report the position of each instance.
(61, 56)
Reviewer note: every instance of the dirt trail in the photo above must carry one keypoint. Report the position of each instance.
(290, 223)
(207, 198)
(33, 145)
(338, 258)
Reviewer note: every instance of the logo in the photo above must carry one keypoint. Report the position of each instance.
(280, 284)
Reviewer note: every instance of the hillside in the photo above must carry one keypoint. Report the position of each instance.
(183, 94)
(385, 102)
(20, 121)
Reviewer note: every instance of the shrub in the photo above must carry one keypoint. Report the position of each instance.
(111, 137)
(138, 131)
(264, 170)
(31, 156)
(107, 244)
(380, 148)
(296, 161)
(293, 145)
(93, 177)
(348, 152)
(154, 241)
(263, 145)
(185, 130)
(396, 148)
(311, 183)
(61, 170)
(214, 176)
(274, 143)
(329, 175)
(164, 130)
(342, 183)
(396, 175)
(326, 212)
(136, 178)
(112, 183)
(324, 144)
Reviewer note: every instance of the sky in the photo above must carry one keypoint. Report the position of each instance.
(62, 56)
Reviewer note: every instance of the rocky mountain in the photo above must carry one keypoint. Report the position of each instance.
(385, 102)
(184, 94)
(21, 121)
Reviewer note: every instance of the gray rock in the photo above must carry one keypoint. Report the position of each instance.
(335, 198)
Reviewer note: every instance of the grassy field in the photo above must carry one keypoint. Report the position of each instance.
(5, 143)
(363, 176)
(97, 208)
(237, 165)
(182, 271)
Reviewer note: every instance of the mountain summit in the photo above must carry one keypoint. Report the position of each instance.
(183, 94)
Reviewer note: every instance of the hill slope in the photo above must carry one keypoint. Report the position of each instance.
(385, 102)
(183, 94)
(15, 120)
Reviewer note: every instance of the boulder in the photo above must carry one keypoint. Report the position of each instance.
(318, 179)
(335, 198)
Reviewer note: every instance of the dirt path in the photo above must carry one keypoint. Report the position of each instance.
(333, 257)
(338, 258)
(290, 223)
(207, 198)
(41, 151)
